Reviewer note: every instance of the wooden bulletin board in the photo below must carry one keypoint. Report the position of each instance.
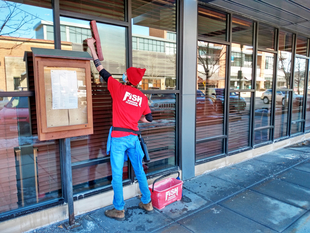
(63, 96)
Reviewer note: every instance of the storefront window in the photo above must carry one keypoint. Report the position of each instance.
(266, 35)
(160, 134)
(239, 120)
(90, 164)
(210, 98)
(307, 122)
(298, 94)
(111, 9)
(154, 43)
(211, 23)
(30, 169)
(283, 83)
(263, 93)
(301, 45)
(241, 67)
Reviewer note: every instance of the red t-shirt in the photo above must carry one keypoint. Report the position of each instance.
(129, 104)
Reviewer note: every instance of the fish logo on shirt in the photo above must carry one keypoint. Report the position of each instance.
(132, 99)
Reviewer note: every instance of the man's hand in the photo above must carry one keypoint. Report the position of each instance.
(90, 43)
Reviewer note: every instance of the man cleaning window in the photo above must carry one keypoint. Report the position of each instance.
(129, 107)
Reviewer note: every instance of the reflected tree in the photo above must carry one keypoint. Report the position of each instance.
(209, 58)
(14, 21)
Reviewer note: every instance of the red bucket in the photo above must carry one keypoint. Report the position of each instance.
(166, 191)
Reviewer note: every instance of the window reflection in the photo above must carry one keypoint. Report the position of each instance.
(210, 96)
(241, 66)
(239, 120)
(263, 93)
(160, 134)
(154, 43)
(27, 178)
(30, 171)
(211, 23)
(307, 122)
(298, 94)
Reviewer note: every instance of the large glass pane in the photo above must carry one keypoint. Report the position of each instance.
(298, 93)
(281, 114)
(211, 23)
(91, 150)
(19, 31)
(206, 149)
(263, 90)
(307, 123)
(301, 45)
(112, 40)
(111, 9)
(242, 31)
(160, 134)
(239, 120)
(154, 42)
(241, 66)
(266, 37)
(30, 169)
(283, 83)
(210, 94)
(261, 136)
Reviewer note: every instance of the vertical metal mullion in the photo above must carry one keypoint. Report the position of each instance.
(253, 95)
(274, 85)
(56, 19)
(129, 62)
(290, 101)
(178, 133)
(227, 84)
(129, 32)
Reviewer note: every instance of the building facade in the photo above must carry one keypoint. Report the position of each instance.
(226, 81)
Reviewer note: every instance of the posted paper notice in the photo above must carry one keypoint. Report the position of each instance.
(64, 89)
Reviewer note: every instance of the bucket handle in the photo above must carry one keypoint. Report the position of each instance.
(163, 176)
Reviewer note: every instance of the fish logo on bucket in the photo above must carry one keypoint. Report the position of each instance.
(171, 194)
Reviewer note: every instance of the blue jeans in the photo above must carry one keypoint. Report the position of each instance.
(130, 145)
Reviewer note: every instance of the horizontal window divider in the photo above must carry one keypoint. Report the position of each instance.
(207, 39)
(16, 93)
(30, 209)
(88, 163)
(242, 90)
(160, 91)
(301, 56)
(209, 159)
(161, 172)
(262, 144)
(239, 150)
(297, 134)
(267, 51)
(211, 138)
(96, 191)
(284, 89)
(281, 139)
(264, 127)
(90, 18)
(302, 120)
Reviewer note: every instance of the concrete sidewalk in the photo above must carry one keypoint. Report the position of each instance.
(270, 193)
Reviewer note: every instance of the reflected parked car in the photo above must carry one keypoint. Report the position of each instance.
(281, 97)
(203, 102)
(236, 102)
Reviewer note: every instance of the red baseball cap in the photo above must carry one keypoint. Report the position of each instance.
(135, 75)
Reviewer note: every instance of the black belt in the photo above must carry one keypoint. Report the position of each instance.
(126, 130)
